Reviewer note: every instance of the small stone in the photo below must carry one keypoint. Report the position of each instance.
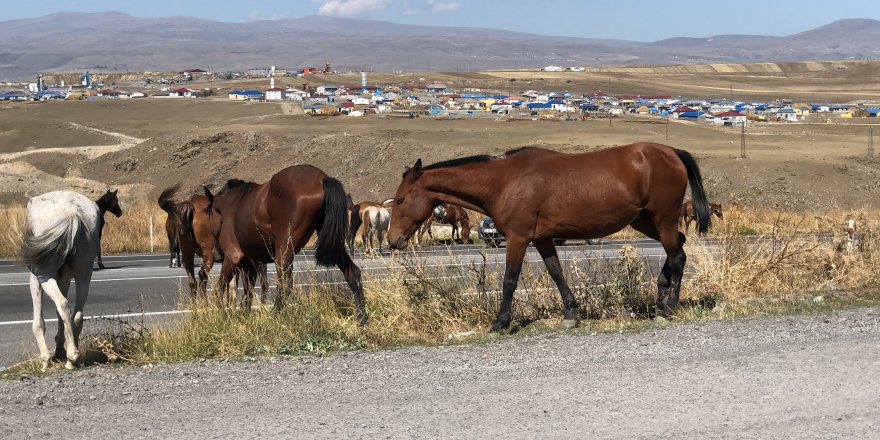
(93, 397)
(818, 299)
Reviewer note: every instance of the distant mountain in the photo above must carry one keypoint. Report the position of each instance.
(113, 41)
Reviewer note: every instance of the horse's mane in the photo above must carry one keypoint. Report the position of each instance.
(104, 200)
(237, 183)
(474, 159)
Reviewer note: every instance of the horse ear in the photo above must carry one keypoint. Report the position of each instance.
(417, 169)
(208, 194)
(114, 191)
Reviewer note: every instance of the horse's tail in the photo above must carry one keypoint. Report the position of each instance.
(354, 224)
(167, 203)
(698, 195)
(330, 250)
(57, 244)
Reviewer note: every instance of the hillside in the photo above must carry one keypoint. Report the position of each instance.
(116, 42)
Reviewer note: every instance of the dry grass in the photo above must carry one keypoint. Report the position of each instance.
(779, 267)
(129, 233)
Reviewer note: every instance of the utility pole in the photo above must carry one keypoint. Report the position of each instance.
(870, 141)
(742, 142)
(667, 125)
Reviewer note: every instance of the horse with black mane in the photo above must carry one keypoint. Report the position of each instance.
(535, 195)
(262, 223)
(107, 202)
(448, 214)
(189, 230)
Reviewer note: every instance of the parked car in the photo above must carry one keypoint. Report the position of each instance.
(487, 232)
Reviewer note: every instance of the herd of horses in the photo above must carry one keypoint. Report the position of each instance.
(533, 195)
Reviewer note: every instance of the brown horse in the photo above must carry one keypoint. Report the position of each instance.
(448, 214)
(262, 223)
(536, 195)
(356, 216)
(688, 215)
(189, 231)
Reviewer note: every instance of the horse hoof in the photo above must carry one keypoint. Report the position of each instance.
(499, 326)
(69, 365)
(568, 324)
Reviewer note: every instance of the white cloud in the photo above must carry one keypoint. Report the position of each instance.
(419, 7)
(441, 6)
(349, 8)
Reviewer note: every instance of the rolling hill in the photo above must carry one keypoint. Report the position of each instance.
(114, 41)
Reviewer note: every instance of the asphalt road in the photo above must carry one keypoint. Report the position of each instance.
(778, 377)
(144, 287)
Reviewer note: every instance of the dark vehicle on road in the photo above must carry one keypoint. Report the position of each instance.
(487, 232)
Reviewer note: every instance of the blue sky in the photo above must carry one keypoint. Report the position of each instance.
(620, 19)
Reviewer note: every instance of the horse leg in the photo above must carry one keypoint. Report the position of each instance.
(264, 282)
(82, 272)
(455, 232)
(516, 251)
(227, 273)
(39, 325)
(669, 280)
(50, 286)
(64, 277)
(353, 277)
(249, 277)
(204, 271)
(380, 236)
(673, 242)
(551, 260)
(100, 237)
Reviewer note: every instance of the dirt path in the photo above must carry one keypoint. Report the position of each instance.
(776, 377)
(90, 151)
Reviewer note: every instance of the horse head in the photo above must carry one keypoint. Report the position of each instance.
(716, 209)
(109, 202)
(412, 205)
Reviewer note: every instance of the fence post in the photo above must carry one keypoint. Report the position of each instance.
(151, 234)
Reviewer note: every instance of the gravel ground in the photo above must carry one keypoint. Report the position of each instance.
(812, 376)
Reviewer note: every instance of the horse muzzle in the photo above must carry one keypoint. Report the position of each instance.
(397, 243)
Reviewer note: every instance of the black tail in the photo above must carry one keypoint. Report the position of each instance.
(354, 224)
(330, 250)
(167, 203)
(698, 195)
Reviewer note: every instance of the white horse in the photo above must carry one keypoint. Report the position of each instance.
(60, 242)
(376, 220)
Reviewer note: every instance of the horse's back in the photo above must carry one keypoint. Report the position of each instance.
(45, 209)
(63, 226)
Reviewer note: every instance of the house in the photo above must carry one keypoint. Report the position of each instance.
(274, 94)
(436, 88)
(295, 95)
(13, 96)
(247, 95)
(327, 89)
(183, 92)
(677, 112)
(785, 114)
(108, 93)
(729, 118)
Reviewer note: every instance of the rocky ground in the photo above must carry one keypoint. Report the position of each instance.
(811, 376)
